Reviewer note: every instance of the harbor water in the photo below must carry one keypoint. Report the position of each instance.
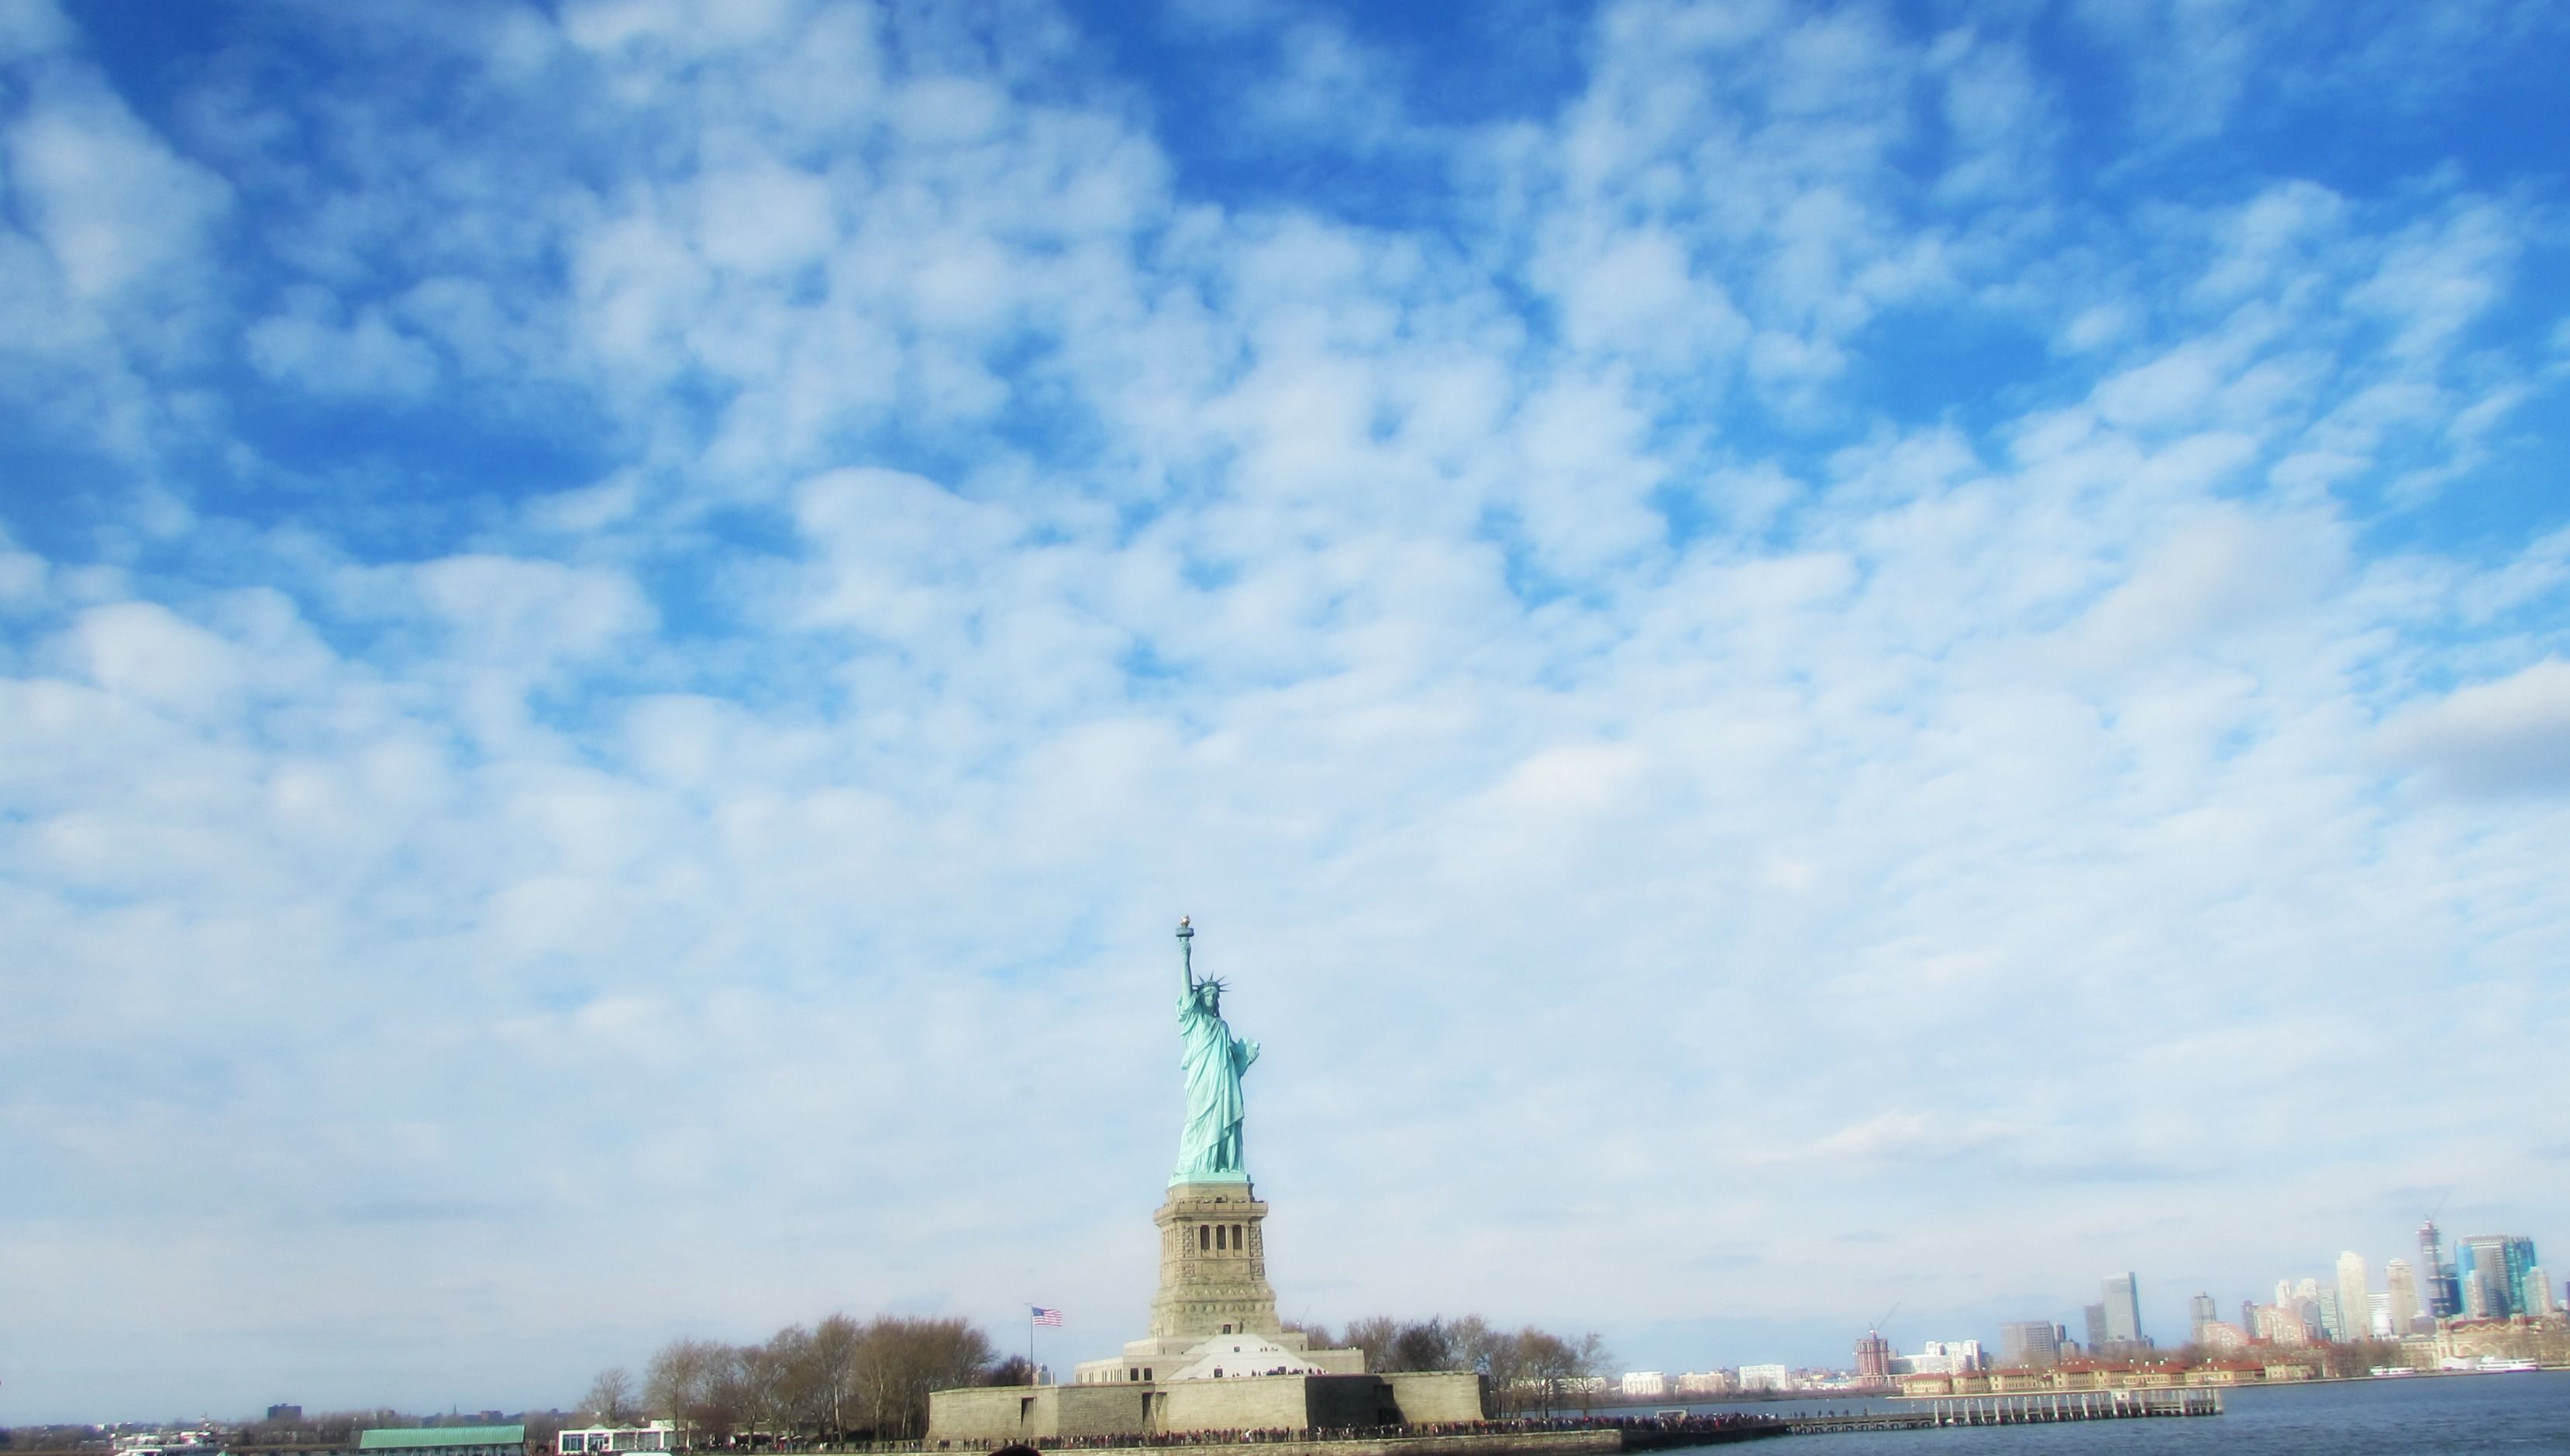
(2426, 1414)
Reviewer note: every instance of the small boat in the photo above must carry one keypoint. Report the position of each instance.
(2393, 1372)
(170, 1443)
(2493, 1365)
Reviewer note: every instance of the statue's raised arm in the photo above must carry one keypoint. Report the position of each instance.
(1211, 1062)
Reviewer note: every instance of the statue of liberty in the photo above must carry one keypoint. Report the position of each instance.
(1209, 1139)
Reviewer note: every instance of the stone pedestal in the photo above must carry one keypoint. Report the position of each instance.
(1214, 1282)
(1213, 1263)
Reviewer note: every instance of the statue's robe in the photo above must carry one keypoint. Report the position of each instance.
(1209, 1141)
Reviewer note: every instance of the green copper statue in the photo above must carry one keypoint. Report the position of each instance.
(1209, 1142)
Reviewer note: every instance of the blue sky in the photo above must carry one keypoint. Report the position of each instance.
(1795, 656)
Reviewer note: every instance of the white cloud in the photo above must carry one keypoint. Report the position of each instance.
(115, 206)
(140, 651)
(899, 524)
(610, 25)
(2220, 572)
(530, 613)
(22, 574)
(1632, 295)
(2440, 277)
(2508, 736)
(764, 220)
(366, 355)
(32, 29)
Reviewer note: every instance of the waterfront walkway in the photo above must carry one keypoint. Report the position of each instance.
(1559, 1436)
(2016, 1410)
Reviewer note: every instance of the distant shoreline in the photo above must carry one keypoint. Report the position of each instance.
(2246, 1385)
(1621, 1401)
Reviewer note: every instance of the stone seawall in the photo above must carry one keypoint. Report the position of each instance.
(1494, 1443)
(1605, 1441)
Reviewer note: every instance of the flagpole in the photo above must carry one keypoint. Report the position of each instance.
(1031, 1347)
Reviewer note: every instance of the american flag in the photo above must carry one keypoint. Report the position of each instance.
(1044, 1316)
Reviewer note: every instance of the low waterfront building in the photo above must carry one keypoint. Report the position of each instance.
(1765, 1377)
(651, 1436)
(1940, 1357)
(508, 1440)
(2085, 1377)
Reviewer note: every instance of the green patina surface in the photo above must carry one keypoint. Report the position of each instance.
(1211, 1061)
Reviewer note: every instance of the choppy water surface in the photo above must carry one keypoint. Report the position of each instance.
(2510, 1413)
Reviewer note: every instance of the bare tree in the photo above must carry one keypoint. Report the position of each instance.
(1501, 1356)
(1469, 1335)
(1372, 1336)
(1548, 1361)
(838, 1379)
(1589, 1362)
(902, 1359)
(755, 1381)
(610, 1402)
(1317, 1336)
(686, 1382)
(801, 1391)
(836, 1344)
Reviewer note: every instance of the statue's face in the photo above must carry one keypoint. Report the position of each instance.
(1209, 997)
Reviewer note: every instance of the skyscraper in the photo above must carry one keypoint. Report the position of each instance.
(2497, 1267)
(2124, 1310)
(2029, 1342)
(2445, 1298)
(1874, 1357)
(2097, 1316)
(2354, 1311)
(2484, 1298)
(2199, 1313)
(2333, 1316)
(2538, 1293)
(2404, 1294)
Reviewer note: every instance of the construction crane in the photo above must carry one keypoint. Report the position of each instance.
(1874, 1352)
(2444, 1296)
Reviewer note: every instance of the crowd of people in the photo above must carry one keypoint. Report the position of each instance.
(1669, 1430)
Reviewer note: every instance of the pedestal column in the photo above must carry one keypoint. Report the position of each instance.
(1213, 1263)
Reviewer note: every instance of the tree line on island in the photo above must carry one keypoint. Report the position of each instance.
(1529, 1369)
(839, 1378)
(843, 1378)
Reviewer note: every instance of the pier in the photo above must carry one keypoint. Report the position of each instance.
(2018, 1410)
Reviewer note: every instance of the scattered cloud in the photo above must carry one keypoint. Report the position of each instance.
(622, 628)
(2507, 737)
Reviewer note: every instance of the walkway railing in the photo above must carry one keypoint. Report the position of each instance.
(2019, 1410)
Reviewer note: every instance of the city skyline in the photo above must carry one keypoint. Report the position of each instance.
(1936, 1335)
(1792, 655)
